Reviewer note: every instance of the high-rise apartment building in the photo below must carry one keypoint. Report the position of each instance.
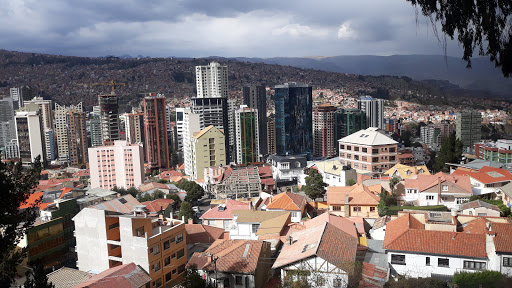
(468, 127)
(119, 165)
(233, 105)
(373, 109)
(294, 110)
(271, 135)
(155, 131)
(77, 138)
(213, 112)
(134, 126)
(11, 150)
(247, 135)
(430, 135)
(212, 81)
(191, 125)
(18, 95)
(324, 141)
(109, 117)
(62, 128)
(45, 106)
(348, 121)
(107, 239)
(179, 127)
(208, 149)
(7, 131)
(29, 135)
(255, 96)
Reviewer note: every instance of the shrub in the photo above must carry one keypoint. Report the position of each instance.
(488, 279)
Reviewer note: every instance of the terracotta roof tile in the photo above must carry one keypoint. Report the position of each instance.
(227, 213)
(339, 222)
(198, 233)
(287, 201)
(123, 276)
(235, 256)
(156, 205)
(486, 174)
(502, 240)
(33, 199)
(358, 194)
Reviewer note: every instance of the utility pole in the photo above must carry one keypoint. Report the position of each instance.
(214, 260)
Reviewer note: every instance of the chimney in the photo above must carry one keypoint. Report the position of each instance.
(346, 209)
(190, 221)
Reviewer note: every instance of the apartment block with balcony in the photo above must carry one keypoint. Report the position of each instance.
(207, 150)
(368, 150)
(106, 239)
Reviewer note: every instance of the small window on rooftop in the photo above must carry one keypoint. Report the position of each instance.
(122, 200)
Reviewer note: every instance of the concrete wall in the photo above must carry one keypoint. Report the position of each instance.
(317, 267)
(91, 240)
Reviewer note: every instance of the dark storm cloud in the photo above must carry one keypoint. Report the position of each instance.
(223, 28)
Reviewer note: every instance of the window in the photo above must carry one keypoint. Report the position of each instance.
(356, 209)
(430, 197)
(336, 208)
(349, 147)
(167, 261)
(392, 150)
(112, 226)
(443, 262)
(238, 280)
(156, 267)
(474, 265)
(365, 150)
(337, 283)
(507, 261)
(295, 214)
(398, 259)
(179, 238)
(444, 188)
(225, 224)
(375, 151)
(168, 277)
(174, 271)
(356, 148)
(255, 227)
(342, 146)
(320, 281)
(155, 250)
(180, 253)
(157, 283)
(181, 269)
(482, 214)
(173, 255)
(139, 232)
(444, 198)
(427, 261)
(375, 159)
(167, 245)
(372, 209)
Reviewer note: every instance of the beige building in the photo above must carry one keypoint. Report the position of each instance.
(61, 128)
(208, 149)
(368, 150)
(118, 165)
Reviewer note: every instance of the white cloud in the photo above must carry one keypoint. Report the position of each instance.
(346, 32)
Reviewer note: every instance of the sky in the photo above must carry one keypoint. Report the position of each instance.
(228, 28)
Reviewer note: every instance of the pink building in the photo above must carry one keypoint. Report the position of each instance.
(368, 150)
(324, 142)
(121, 165)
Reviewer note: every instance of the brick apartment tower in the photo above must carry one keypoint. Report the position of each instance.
(155, 130)
(109, 117)
(324, 142)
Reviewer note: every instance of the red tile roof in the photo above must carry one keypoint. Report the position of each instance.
(156, 205)
(424, 182)
(152, 185)
(486, 174)
(408, 234)
(325, 241)
(358, 194)
(231, 256)
(123, 276)
(230, 206)
(32, 200)
(373, 276)
(339, 222)
(502, 239)
(287, 201)
(198, 233)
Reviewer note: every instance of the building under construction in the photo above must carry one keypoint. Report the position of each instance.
(241, 182)
(109, 117)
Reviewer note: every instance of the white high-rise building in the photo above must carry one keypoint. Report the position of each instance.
(61, 129)
(7, 132)
(374, 109)
(233, 105)
(11, 149)
(180, 126)
(191, 125)
(212, 81)
(118, 165)
(29, 134)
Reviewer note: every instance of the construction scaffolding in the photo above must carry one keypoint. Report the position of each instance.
(242, 182)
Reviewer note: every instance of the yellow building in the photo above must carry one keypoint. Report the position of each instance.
(407, 172)
(208, 149)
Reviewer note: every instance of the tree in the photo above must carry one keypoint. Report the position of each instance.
(193, 279)
(16, 185)
(194, 190)
(158, 194)
(451, 152)
(314, 187)
(350, 182)
(133, 191)
(392, 183)
(186, 210)
(481, 279)
(484, 26)
(36, 277)
(385, 201)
